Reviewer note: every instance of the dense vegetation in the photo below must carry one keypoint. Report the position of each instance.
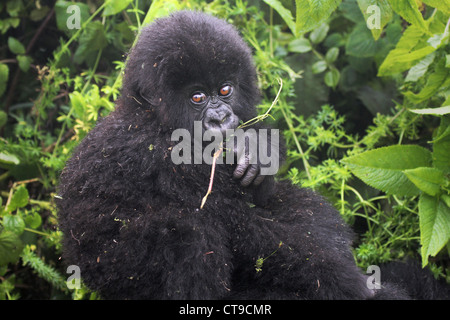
(364, 106)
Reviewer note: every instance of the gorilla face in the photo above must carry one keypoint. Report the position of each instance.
(189, 69)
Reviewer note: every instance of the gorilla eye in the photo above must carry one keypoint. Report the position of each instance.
(198, 97)
(225, 90)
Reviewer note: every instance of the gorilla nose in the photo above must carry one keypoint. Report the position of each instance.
(221, 119)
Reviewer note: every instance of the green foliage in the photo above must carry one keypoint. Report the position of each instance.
(375, 98)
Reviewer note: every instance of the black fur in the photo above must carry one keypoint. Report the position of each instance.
(131, 218)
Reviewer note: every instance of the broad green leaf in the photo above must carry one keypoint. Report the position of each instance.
(360, 43)
(383, 168)
(299, 45)
(419, 69)
(409, 11)
(427, 179)
(332, 55)
(10, 247)
(407, 52)
(434, 111)
(285, 14)
(319, 66)
(92, 39)
(4, 74)
(13, 223)
(24, 62)
(19, 199)
(439, 78)
(332, 78)
(377, 13)
(115, 6)
(8, 160)
(443, 5)
(434, 217)
(319, 34)
(310, 14)
(15, 46)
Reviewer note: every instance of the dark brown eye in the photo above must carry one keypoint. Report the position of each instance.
(198, 97)
(225, 90)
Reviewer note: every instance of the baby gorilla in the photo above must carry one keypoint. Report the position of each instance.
(131, 217)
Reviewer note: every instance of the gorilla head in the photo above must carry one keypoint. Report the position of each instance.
(193, 67)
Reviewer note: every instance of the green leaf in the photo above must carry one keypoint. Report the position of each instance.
(419, 69)
(332, 78)
(33, 220)
(318, 67)
(407, 52)
(332, 55)
(409, 11)
(383, 168)
(360, 43)
(10, 247)
(434, 217)
(434, 111)
(300, 45)
(4, 74)
(160, 8)
(7, 160)
(427, 179)
(19, 199)
(24, 62)
(15, 46)
(319, 34)
(439, 78)
(115, 6)
(310, 14)
(284, 13)
(13, 223)
(377, 13)
(443, 5)
(92, 39)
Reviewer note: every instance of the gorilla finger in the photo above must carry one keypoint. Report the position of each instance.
(240, 170)
(252, 172)
(258, 180)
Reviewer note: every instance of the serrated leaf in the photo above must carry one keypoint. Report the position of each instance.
(15, 46)
(439, 78)
(284, 13)
(383, 168)
(13, 223)
(33, 220)
(443, 5)
(409, 11)
(419, 69)
(434, 217)
(360, 43)
(19, 199)
(377, 13)
(10, 247)
(310, 14)
(427, 179)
